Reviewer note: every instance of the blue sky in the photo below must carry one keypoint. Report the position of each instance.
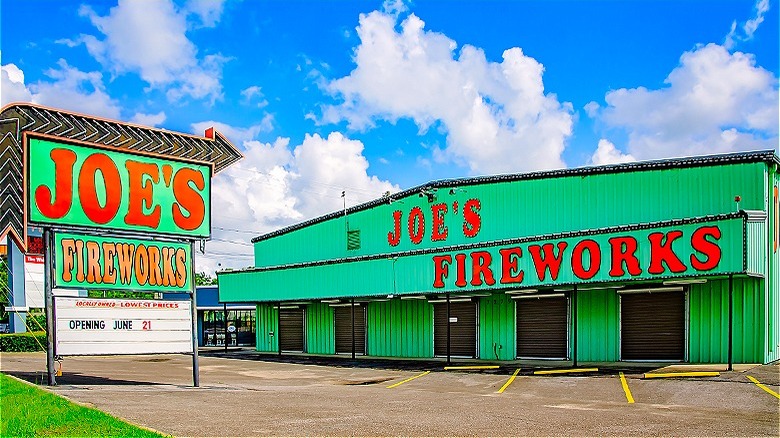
(369, 97)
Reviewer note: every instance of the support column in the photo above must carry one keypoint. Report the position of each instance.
(731, 321)
(352, 315)
(448, 328)
(574, 326)
(279, 327)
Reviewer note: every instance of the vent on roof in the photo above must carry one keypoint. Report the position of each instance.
(353, 240)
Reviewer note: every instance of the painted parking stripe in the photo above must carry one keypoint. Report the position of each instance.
(623, 382)
(573, 370)
(687, 374)
(762, 386)
(509, 382)
(408, 380)
(472, 367)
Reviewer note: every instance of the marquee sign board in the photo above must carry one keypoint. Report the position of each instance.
(83, 186)
(90, 262)
(89, 326)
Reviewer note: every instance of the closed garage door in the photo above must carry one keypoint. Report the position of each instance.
(463, 329)
(652, 326)
(543, 327)
(343, 321)
(291, 330)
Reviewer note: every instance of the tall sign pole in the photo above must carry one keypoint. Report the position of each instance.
(195, 367)
(48, 281)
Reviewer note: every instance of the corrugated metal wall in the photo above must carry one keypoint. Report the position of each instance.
(267, 322)
(598, 325)
(400, 328)
(708, 327)
(497, 327)
(772, 305)
(320, 329)
(756, 242)
(415, 273)
(534, 207)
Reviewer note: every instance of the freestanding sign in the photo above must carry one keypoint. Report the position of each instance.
(120, 206)
(89, 326)
(84, 187)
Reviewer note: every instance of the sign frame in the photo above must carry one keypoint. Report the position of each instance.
(133, 307)
(28, 190)
(58, 259)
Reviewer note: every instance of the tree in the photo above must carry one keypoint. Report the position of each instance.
(204, 279)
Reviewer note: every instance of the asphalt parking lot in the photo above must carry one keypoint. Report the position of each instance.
(247, 396)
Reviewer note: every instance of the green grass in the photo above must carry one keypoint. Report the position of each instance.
(26, 410)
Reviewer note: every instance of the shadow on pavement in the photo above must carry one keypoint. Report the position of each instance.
(39, 378)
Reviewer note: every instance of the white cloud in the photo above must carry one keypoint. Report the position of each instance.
(749, 28)
(69, 89)
(12, 88)
(607, 153)
(496, 115)
(276, 185)
(394, 7)
(149, 38)
(209, 12)
(149, 119)
(254, 92)
(715, 101)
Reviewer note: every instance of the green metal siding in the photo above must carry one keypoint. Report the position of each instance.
(416, 273)
(598, 325)
(533, 207)
(772, 305)
(756, 242)
(400, 328)
(497, 327)
(320, 329)
(708, 321)
(267, 322)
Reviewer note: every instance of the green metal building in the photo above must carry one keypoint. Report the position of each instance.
(669, 260)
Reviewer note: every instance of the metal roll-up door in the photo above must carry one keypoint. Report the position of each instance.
(652, 326)
(463, 329)
(343, 322)
(291, 330)
(543, 328)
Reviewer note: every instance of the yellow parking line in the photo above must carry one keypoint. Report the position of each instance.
(688, 374)
(509, 382)
(762, 386)
(472, 367)
(623, 382)
(407, 380)
(573, 370)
